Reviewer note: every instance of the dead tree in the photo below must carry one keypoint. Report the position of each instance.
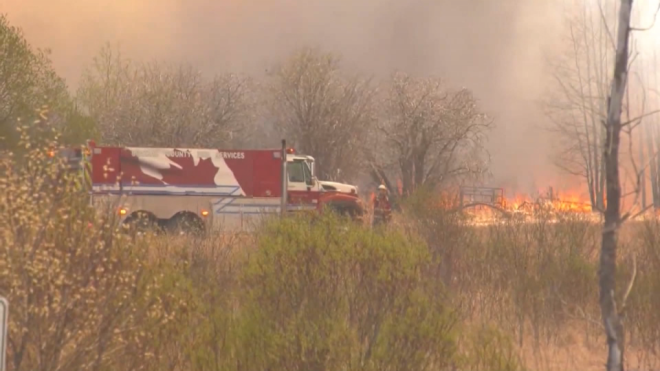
(607, 275)
(325, 113)
(576, 107)
(157, 104)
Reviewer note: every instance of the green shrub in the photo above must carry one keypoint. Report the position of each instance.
(329, 295)
(79, 292)
(487, 348)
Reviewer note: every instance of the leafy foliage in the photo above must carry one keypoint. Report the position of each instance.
(77, 288)
(27, 81)
(334, 296)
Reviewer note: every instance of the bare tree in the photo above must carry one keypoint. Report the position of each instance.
(577, 107)
(155, 104)
(612, 316)
(577, 103)
(323, 112)
(431, 135)
(596, 115)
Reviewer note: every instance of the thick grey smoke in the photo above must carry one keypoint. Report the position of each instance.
(496, 48)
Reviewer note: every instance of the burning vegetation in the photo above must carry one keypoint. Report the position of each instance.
(484, 205)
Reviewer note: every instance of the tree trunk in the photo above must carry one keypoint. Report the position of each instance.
(407, 176)
(607, 273)
(420, 168)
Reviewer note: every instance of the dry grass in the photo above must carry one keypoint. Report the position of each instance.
(538, 282)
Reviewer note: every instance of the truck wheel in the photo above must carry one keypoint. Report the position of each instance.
(344, 209)
(185, 224)
(141, 222)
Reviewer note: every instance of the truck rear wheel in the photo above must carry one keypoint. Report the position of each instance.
(346, 209)
(141, 222)
(185, 223)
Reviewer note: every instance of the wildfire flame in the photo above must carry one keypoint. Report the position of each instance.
(560, 203)
(523, 206)
(484, 208)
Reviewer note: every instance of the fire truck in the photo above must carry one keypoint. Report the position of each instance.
(189, 190)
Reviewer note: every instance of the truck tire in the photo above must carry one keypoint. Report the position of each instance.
(185, 223)
(141, 222)
(346, 209)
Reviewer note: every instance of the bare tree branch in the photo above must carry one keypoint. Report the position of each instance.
(157, 104)
(606, 25)
(649, 27)
(629, 288)
(324, 113)
(637, 119)
(432, 135)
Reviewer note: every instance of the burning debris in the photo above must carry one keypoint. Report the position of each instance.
(486, 205)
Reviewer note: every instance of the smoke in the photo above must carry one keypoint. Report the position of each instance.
(496, 48)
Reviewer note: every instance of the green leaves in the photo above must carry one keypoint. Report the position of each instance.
(27, 80)
(71, 278)
(330, 295)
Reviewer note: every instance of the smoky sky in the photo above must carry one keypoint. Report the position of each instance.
(496, 48)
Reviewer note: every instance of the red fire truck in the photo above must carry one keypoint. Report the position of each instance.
(192, 190)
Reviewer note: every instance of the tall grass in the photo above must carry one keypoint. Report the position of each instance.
(538, 281)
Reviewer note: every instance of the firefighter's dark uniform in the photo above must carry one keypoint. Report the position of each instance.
(382, 207)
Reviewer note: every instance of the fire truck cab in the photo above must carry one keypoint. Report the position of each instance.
(194, 190)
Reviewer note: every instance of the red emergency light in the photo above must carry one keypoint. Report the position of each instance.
(290, 151)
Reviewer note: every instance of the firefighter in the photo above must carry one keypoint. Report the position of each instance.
(382, 206)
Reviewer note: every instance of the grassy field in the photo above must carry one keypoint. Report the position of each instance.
(426, 293)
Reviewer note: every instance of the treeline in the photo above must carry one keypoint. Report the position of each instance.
(420, 131)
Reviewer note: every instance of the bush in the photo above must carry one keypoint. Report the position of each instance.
(330, 295)
(79, 292)
(489, 349)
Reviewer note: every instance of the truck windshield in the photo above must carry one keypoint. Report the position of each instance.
(296, 171)
(299, 172)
